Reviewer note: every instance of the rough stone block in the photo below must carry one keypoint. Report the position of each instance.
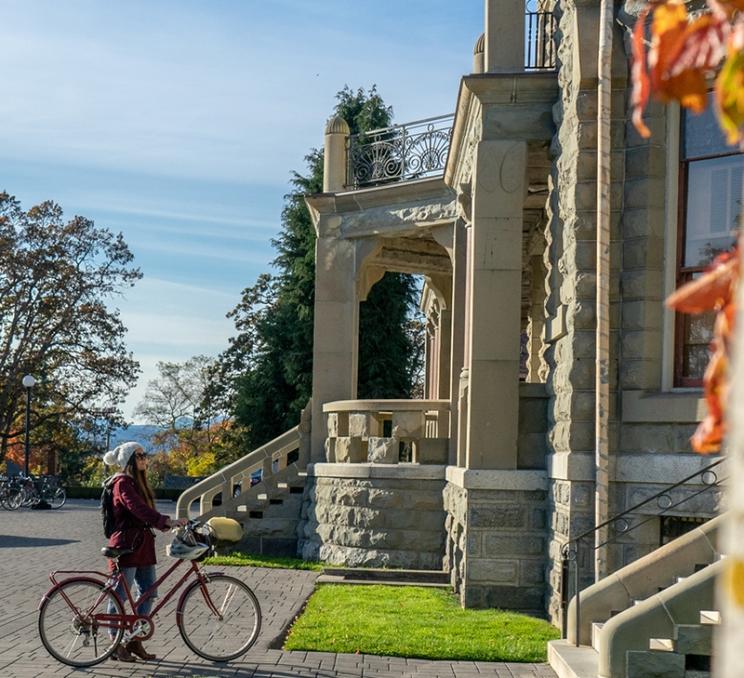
(496, 545)
(649, 664)
(408, 424)
(365, 424)
(531, 572)
(497, 516)
(349, 451)
(504, 597)
(338, 424)
(382, 450)
(431, 451)
(493, 570)
(330, 450)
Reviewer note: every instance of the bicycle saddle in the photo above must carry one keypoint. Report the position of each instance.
(111, 552)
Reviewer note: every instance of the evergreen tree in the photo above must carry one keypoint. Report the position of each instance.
(264, 378)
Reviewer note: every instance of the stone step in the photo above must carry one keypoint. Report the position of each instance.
(710, 617)
(596, 628)
(694, 639)
(661, 644)
(331, 579)
(654, 664)
(569, 661)
(381, 575)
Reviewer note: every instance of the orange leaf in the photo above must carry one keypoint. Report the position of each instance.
(730, 94)
(641, 83)
(734, 580)
(708, 292)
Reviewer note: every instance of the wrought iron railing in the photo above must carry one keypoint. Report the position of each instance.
(622, 524)
(416, 150)
(539, 41)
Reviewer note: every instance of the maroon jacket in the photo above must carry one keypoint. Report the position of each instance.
(133, 518)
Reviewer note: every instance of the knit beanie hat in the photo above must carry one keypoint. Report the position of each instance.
(121, 454)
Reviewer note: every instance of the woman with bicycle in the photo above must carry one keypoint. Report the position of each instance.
(134, 517)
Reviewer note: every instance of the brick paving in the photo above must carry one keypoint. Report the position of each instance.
(34, 542)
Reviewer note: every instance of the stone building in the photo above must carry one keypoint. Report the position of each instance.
(493, 474)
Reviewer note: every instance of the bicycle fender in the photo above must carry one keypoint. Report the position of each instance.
(64, 581)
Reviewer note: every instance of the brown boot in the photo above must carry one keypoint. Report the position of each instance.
(121, 654)
(136, 647)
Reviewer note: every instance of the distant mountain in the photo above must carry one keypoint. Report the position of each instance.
(139, 433)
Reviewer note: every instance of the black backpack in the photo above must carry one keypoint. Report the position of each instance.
(107, 506)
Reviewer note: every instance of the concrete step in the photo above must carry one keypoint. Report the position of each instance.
(387, 576)
(710, 617)
(653, 664)
(331, 579)
(596, 628)
(569, 661)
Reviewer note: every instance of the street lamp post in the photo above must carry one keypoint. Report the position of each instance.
(28, 383)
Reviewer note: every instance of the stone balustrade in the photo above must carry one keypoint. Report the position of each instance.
(388, 431)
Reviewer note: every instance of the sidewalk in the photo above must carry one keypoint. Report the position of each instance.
(32, 543)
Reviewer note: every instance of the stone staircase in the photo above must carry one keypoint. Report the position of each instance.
(269, 511)
(653, 618)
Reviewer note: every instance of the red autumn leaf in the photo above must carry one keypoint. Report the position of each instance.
(710, 291)
(641, 83)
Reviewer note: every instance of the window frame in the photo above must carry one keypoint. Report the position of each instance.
(683, 273)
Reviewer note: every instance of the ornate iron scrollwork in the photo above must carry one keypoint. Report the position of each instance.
(400, 153)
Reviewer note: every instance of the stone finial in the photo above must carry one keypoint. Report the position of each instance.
(479, 54)
(334, 158)
(337, 125)
(480, 44)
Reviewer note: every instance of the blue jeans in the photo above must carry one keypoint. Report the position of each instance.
(145, 577)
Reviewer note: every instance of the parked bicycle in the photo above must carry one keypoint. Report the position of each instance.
(82, 619)
(28, 491)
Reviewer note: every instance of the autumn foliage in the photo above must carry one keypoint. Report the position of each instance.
(715, 291)
(684, 54)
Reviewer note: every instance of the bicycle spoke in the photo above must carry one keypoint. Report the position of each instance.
(72, 644)
(230, 632)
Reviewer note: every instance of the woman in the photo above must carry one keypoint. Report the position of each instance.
(134, 518)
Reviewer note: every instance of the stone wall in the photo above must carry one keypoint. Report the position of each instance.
(373, 515)
(571, 281)
(496, 544)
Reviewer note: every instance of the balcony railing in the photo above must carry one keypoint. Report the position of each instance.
(388, 431)
(539, 41)
(416, 150)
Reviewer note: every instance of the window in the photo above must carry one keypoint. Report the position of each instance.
(710, 202)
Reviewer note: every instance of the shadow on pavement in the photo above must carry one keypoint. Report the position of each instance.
(32, 542)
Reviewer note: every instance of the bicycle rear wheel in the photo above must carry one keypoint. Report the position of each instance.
(219, 619)
(13, 500)
(71, 623)
(57, 498)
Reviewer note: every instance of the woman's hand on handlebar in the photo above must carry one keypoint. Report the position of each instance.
(175, 522)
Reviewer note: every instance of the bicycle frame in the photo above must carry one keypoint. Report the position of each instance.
(111, 581)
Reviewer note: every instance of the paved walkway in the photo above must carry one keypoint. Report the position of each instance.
(34, 542)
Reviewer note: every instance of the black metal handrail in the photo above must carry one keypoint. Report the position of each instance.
(570, 550)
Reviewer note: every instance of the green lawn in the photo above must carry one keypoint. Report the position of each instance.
(251, 560)
(409, 621)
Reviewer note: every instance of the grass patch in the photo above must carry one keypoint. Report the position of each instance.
(252, 560)
(409, 621)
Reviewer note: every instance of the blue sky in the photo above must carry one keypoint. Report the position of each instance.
(179, 122)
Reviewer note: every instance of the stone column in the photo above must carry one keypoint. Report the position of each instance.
(459, 263)
(494, 303)
(336, 334)
(504, 37)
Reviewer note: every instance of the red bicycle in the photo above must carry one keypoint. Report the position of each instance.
(82, 619)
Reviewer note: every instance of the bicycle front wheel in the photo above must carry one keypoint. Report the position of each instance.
(77, 622)
(219, 619)
(58, 498)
